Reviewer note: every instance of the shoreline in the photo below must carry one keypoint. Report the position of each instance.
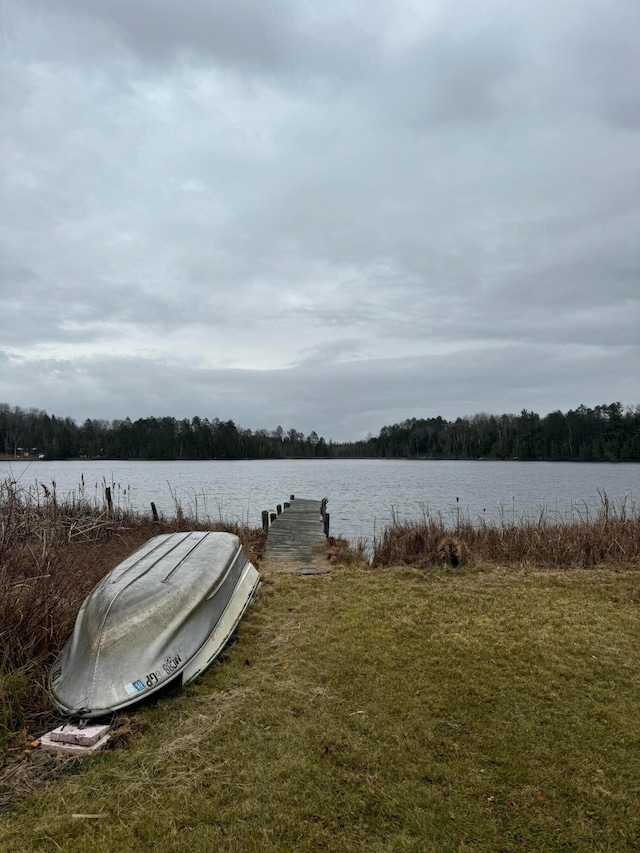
(5, 457)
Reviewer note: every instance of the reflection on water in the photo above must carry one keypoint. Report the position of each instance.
(364, 494)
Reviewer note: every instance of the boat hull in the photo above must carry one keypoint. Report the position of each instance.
(161, 616)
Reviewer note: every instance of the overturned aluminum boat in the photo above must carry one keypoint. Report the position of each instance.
(162, 615)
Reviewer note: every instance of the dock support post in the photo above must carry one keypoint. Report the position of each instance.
(286, 505)
(154, 512)
(107, 494)
(292, 498)
(274, 515)
(265, 520)
(279, 509)
(326, 523)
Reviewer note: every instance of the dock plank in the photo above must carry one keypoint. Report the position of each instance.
(297, 534)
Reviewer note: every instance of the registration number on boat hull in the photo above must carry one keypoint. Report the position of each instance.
(167, 668)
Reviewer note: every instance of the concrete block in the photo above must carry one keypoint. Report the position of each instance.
(73, 748)
(74, 734)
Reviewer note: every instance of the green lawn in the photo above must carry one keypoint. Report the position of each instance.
(383, 710)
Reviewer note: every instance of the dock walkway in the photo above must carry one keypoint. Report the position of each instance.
(297, 534)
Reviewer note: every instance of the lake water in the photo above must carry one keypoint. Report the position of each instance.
(363, 494)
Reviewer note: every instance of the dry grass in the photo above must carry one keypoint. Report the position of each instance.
(383, 710)
(343, 553)
(52, 553)
(608, 537)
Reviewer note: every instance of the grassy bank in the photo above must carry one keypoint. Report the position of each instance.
(488, 707)
(53, 552)
(383, 710)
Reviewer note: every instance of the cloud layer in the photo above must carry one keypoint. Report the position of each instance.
(327, 217)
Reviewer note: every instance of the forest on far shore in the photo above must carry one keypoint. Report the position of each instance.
(607, 433)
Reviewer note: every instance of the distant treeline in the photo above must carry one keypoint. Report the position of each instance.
(605, 433)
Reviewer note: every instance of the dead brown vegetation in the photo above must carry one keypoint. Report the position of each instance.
(341, 552)
(52, 553)
(610, 535)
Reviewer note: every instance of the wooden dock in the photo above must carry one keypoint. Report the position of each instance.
(297, 534)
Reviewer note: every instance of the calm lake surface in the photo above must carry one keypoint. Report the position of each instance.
(363, 494)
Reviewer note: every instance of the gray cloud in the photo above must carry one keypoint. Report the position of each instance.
(332, 217)
(336, 398)
(604, 49)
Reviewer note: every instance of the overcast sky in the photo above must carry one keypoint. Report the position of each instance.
(327, 215)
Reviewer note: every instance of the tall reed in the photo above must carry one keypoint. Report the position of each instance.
(607, 535)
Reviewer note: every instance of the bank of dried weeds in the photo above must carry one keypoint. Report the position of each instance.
(52, 553)
(610, 535)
